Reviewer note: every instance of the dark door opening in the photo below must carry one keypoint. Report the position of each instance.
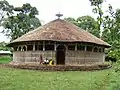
(60, 55)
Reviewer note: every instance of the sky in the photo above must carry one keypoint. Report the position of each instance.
(69, 8)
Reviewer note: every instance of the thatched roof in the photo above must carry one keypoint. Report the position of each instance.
(60, 30)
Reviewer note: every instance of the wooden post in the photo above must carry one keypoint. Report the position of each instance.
(55, 47)
(103, 58)
(22, 48)
(43, 46)
(85, 48)
(26, 47)
(18, 48)
(34, 46)
(76, 47)
(75, 60)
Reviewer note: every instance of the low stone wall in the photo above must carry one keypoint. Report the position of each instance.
(61, 67)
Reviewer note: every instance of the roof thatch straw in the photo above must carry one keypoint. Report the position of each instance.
(60, 30)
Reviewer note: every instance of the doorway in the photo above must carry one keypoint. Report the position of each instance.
(60, 55)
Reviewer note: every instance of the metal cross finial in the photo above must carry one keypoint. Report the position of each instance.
(59, 15)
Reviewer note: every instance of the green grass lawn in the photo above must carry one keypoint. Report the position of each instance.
(16, 79)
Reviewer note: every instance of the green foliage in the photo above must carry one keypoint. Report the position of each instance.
(72, 20)
(87, 23)
(3, 46)
(111, 33)
(115, 54)
(117, 66)
(96, 2)
(21, 22)
(97, 9)
(5, 10)
(5, 60)
(110, 25)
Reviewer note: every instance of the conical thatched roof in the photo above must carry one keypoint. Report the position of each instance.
(60, 30)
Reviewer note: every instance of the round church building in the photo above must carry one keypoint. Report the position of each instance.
(61, 41)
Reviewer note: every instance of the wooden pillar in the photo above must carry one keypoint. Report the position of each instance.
(43, 45)
(85, 55)
(76, 47)
(103, 59)
(75, 60)
(18, 48)
(85, 48)
(26, 47)
(34, 46)
(21, 48)
(55, 46)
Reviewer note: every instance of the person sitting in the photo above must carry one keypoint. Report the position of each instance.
(51, 62)
(46, 61)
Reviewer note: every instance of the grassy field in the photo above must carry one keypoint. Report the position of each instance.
(4, 60)
(18, 79)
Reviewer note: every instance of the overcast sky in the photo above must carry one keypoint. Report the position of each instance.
(69, 8)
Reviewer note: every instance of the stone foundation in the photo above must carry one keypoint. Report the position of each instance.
(61, 67)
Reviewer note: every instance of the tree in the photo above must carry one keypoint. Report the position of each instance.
(97, 9)
(111, 33)
(24, 21)
(72, 20)
(87, 23)
(111, 25)
(5, 10)
(3, 46)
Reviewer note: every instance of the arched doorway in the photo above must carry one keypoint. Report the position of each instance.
(60, 55)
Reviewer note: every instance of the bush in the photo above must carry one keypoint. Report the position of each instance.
(113, 55)
(117, 66)
(109, 58)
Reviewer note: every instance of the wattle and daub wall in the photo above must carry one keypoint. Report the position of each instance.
(71, 57)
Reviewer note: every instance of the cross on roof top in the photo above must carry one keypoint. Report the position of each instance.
(59, 15)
